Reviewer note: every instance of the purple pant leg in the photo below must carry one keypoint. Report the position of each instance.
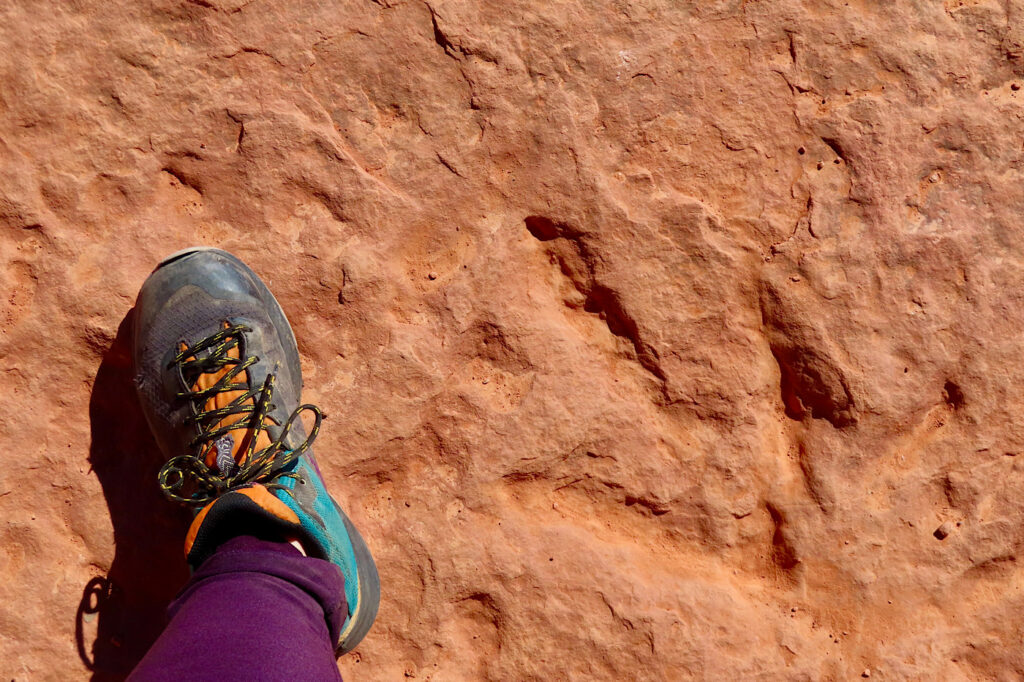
(255, 611)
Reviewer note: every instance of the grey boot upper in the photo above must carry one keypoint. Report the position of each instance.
(188, 298)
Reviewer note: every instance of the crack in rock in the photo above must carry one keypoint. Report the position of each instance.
(578, 263)
(812, 384)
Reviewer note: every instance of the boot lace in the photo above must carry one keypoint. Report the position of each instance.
(187, 478)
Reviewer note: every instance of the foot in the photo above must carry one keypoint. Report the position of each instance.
(218, 375)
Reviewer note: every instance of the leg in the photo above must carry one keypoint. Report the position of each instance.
(255, 610)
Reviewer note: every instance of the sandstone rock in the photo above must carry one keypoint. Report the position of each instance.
(654, 337)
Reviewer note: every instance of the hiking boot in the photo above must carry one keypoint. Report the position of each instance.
(218, 375)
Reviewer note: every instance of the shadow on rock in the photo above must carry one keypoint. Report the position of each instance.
(122, 613)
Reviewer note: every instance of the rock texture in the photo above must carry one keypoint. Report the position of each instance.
(658, 340)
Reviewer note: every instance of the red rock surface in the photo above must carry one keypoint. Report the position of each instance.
(656, 339)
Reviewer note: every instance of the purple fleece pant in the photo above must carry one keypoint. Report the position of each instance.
(256, 611)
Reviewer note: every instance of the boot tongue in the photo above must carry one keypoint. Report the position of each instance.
(235, 442)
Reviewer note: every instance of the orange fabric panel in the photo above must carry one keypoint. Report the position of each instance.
(241, 436)
(193, 530)
(258, 494)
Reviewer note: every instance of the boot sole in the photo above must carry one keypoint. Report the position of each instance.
(369, 591)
